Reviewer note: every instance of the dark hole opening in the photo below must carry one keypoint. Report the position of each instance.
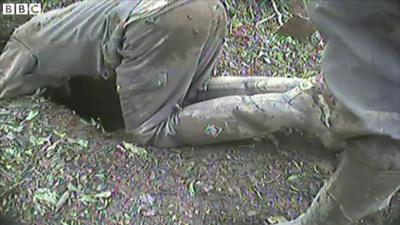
(91, 98)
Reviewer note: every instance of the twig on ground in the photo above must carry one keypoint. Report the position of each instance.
(280, 16)
(265, 20)
(273, 179)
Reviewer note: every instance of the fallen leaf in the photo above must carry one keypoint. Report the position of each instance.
(251, 213)
(105, 194)
(83, 143)
(87, 198)
(294, 178)
(192, 188)
(32, 115)
(276, 219)
(130, 148)
(61, 202)
(44, 195)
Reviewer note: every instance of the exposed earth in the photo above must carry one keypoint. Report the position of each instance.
(56, 168)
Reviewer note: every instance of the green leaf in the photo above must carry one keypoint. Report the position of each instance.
(105, 194)
(83, 143)
(46, 196)
(130, 148)
(192, 188)
(72, 187)
(59, 133)
(294, 178)
(276, 219)
(61, 202)
(36, 141)
(87, 198)
(32, 115)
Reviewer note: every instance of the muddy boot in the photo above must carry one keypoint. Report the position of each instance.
(367, 177)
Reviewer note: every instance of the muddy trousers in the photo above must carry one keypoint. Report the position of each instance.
(168, 98)
(369, 171)
(235, 117)
(366, 179)
(16, 65)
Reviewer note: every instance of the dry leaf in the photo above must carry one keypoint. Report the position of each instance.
(61, 202)
(276, 219)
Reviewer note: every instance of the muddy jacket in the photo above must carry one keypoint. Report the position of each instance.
(84, 37)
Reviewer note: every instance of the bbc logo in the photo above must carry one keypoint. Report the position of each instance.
(21, 9)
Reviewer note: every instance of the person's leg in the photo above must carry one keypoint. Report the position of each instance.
(369, 172)
(15, 63)
(167, 56)
(367, 177)
(224, 86)
(238, 117)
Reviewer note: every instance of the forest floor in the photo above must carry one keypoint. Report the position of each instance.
(56, 168)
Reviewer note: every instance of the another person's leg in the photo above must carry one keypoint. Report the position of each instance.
(367, 177)
(369, 173)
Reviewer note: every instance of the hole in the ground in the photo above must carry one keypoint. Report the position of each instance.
(91, 98)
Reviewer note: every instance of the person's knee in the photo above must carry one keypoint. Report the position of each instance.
(142, 136)
(163, 134)
(152, 138)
